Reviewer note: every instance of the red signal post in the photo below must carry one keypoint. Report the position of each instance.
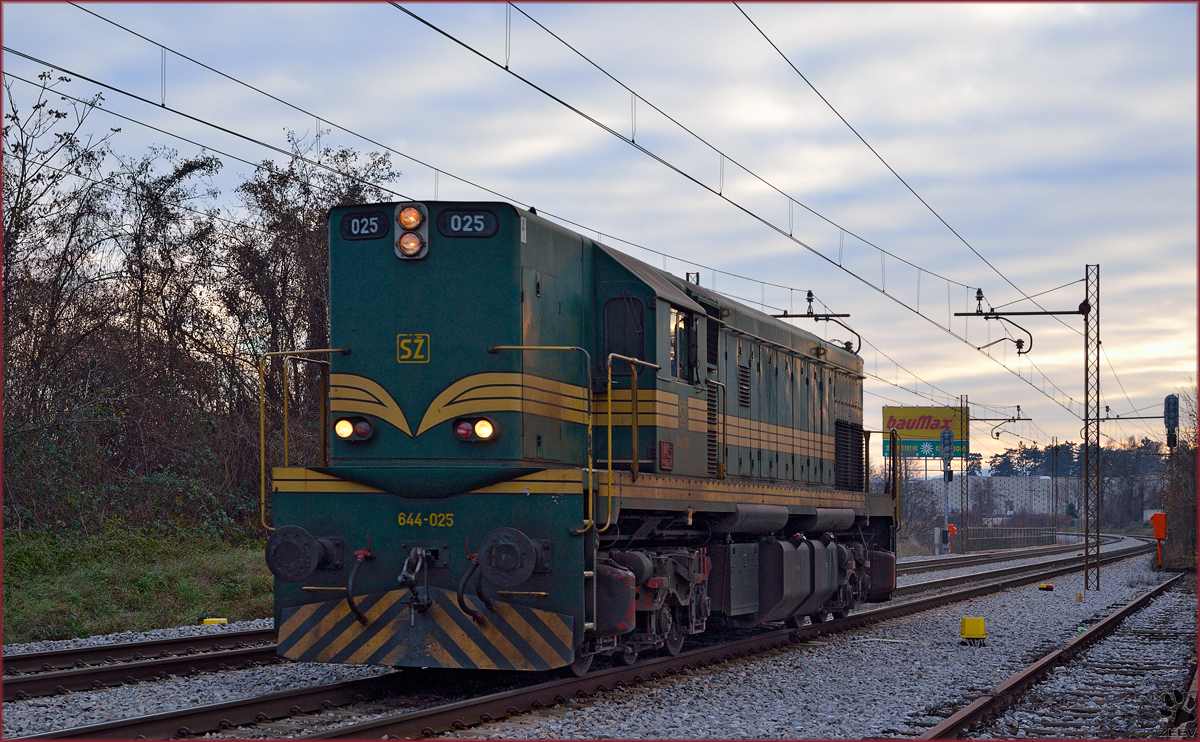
(1159, 521)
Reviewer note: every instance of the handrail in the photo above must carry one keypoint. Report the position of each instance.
(724, 426)
(633, 435)
(589, 521)
(324, 407)
(262, 421)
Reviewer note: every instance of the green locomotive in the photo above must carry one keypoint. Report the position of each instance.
(541, 449)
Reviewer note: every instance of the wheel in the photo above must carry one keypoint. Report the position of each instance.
(581, 665)
(629, 657)
(669, 623)
(840, 614)
(675, 641)
(795, 622)
(818, 617)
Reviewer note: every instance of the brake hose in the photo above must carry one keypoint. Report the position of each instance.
(360, 556)
(476, 616)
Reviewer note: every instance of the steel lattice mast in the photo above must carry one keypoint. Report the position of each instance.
(1091, 431)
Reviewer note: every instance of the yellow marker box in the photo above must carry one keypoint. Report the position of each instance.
(215, 621)
(972, 628)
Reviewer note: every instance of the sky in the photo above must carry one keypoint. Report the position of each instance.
(1038, 138)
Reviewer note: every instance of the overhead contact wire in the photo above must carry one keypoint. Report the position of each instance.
(693, 179)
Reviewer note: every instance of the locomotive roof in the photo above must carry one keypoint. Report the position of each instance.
(684, 295)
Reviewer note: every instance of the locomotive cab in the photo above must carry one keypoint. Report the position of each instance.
(541, 449)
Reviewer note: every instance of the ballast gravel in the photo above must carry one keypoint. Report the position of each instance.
(123, 637)
(892, 679)
(895, 679)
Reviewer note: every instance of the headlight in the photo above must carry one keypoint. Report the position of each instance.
(409, 217)
(353, 429)
(474, 429)
(410, 244)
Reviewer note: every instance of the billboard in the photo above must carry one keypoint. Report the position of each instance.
(920, 429)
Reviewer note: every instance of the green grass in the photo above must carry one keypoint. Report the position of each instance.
(59, 586)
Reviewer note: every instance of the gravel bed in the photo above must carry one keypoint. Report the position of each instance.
(890, 680)
(123, 637)
(823, 689)
(51, 713)
(1114, 689)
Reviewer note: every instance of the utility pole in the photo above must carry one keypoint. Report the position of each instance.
(964, 487)
(1091, 430)
(1090, 309)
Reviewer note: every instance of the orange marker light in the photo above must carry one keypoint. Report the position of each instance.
(410, 243)
(410, 217)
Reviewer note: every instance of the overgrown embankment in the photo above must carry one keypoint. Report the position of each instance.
(64, 585)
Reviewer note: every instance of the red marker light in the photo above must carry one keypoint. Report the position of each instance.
(464, 429)
(362, 428)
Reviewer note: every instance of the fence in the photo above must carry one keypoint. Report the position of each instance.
(986, 539)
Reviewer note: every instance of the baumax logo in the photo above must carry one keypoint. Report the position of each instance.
(924, 423)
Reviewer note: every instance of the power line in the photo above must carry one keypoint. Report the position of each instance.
(728, 200)
(210, 124)
(459, 178)
(180, 137)
(234, 157)
(889, 167)
(918, 197)
(568, 221)
(382, 188)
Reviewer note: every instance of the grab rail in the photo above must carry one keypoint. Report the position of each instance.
(633, 436)
(262, 416)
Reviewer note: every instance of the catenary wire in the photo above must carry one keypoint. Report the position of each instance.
(889, 167)
(234, 157)
(728, 200)
(320, 119)
(290, 154)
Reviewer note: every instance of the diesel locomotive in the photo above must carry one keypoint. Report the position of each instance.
(539, 450)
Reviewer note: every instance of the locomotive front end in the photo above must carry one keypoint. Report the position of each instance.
(444, 529)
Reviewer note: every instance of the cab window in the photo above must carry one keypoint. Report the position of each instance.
(683, 345)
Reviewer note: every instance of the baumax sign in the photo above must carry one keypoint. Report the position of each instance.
(924, 423)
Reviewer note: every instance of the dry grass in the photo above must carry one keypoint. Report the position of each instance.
(64, 586)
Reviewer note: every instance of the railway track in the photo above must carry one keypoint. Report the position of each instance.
(532, 693)
(1116, 670)
(92, 668)
(991, 557)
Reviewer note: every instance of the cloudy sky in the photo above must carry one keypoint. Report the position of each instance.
(1046, 136)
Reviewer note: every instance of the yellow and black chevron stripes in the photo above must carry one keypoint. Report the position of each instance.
(513, 637)
(497, 392)
(295, 479)
(352, 393)
(550, 481)
(681, 492)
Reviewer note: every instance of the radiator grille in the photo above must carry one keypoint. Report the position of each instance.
(712, 431)
(743, 385)
(848, 456)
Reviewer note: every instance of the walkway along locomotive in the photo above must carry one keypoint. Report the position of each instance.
(540, 449)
